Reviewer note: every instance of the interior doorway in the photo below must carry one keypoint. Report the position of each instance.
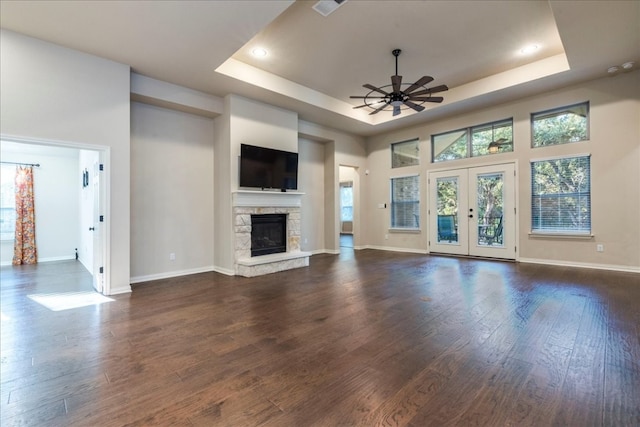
(347, 209)
(472, 211)
(86, 240)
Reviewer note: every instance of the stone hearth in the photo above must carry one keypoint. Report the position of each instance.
(247, 203)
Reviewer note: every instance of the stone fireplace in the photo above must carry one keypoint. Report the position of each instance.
(250, 210)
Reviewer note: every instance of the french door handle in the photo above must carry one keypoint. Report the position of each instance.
(471, 216)
(92, 228)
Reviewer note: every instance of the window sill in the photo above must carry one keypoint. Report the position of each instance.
(405, 230)
(542, 235)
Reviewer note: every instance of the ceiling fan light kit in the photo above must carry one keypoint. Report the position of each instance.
(379, 97)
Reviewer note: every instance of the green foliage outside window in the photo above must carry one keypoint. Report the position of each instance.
(561, 195)
(560, 125)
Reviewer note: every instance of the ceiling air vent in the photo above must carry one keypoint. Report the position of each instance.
(326, 7)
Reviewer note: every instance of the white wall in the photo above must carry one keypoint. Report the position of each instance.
(311, 183)
(57, 186)
(256, 123)
(52, 93)
(614, 146)
(223, 225)
(339, 149)
(171, 192)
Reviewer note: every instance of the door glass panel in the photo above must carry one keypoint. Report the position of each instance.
(447, 194)
(490, 207)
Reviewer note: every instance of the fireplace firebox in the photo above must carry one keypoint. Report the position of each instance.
(268, 234)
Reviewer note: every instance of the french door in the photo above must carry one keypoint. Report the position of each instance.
(472, 211)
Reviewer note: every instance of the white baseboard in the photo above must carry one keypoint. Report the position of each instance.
(224, 271)
(122, 290)
(325, 251)
(57, 258)
(394, 249)
(612, 267)
(170, 274)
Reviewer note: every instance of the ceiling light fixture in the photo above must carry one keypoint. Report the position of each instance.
(528, 50)
(628, 65)
(259, 52)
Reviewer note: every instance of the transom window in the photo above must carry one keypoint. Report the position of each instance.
(475, 141)
(406, 153)
(561, 195)
(560, 125)
(405, 202)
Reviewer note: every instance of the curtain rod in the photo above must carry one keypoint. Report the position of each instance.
(23, 164)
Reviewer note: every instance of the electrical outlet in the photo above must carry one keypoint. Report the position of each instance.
(600, 247)
(172, 256)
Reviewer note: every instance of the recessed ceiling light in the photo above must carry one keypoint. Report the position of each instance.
(259, 52)
(628, 65)
(528, 50)
(612, 70)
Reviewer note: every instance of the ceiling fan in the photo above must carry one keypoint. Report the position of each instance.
(378, 98)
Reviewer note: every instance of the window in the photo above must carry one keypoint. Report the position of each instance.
(450, 146)
(7, 202)
(500, 133)
(561, 195)
(346, 201)
(406, 153)
(405, 202)
(473, 141)
(560, 125)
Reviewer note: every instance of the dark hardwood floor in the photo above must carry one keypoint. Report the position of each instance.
(365, 338)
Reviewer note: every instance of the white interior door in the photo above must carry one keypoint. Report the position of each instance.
(472, 211)
(98, 230)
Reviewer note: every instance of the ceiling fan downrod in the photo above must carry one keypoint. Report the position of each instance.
(396, 53)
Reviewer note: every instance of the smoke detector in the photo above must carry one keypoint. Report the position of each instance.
(326, 7)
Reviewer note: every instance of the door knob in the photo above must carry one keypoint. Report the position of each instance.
(92, 228)
(470, 216)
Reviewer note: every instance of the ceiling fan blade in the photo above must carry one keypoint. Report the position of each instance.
(378, 109)
(397, 83)
(372, 87)
(396, 110)
(423, 81)
(427, 98)
(414, 106)
(434, 89)
(360, 106)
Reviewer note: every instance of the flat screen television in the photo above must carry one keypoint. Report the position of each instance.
(262, 167)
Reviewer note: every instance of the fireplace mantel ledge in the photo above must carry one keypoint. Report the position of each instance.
(256, 198)
(267, 259)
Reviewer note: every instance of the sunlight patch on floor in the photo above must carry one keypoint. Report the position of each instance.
(69, 300)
